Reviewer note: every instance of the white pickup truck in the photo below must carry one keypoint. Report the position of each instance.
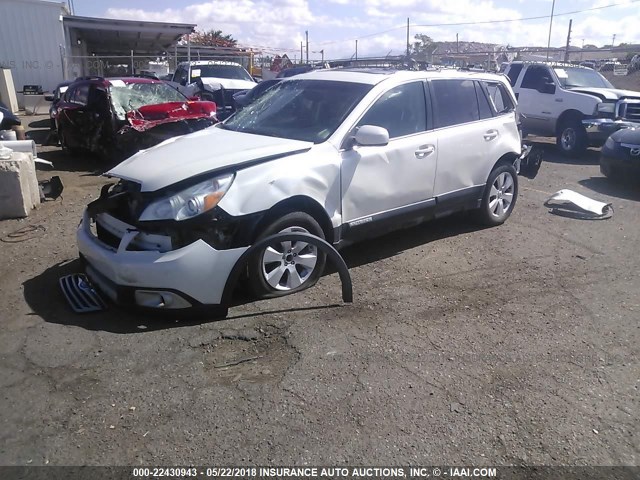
(575, 104)
(213, 80)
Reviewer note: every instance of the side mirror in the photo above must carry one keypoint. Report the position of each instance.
(548, 87)
(371, 136)
(49, 98)
(183, 82)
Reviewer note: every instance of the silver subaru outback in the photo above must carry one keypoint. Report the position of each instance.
(341, 154)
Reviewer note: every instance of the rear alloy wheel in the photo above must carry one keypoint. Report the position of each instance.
(572, 138)
(286, 267)
(500, 196)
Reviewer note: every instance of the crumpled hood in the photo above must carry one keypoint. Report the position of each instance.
(228, 83)
(180, 158)
(150, 116)
(606, 93)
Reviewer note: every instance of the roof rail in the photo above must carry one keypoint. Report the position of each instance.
(88, 77)
(551, 63)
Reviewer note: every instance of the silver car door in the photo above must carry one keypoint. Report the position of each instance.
(381, 179)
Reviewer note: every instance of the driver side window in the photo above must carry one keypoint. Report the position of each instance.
(401, 110)
(536, 76)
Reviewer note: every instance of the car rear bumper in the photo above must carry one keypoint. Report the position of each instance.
(192, 276)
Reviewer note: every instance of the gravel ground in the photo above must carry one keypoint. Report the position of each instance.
(510, 345)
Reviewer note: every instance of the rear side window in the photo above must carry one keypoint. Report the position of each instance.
(401, 110)
(81, 95)
(483, 103)
(514, 71)
(499, 98)
(454, 102)
(535, 77)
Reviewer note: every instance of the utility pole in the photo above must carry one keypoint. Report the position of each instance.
(407, 39)
(566, 51)
(306, 33)
(553, 6)
(301, 56)
(457, 44)
(613, 40)
(356, 50)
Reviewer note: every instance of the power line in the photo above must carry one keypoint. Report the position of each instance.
(485, 22)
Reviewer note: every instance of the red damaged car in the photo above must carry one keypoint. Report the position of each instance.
(116, 117)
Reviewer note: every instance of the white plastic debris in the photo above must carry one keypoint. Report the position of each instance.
(573, 204)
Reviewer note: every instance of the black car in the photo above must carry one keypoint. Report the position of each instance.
(621, 153)
(245, 97)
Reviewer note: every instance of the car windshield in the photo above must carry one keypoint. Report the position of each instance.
(234, 72)
(130, 96)
(571, 77)
(308, 110)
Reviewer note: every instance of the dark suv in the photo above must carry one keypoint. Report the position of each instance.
(116, 117)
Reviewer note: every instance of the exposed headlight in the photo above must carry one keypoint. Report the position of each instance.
(610, 143)
(190, 202)
(606, 107)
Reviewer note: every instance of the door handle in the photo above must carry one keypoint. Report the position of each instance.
(490, 135)
(424, 150)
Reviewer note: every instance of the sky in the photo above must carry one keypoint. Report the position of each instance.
(278, 26)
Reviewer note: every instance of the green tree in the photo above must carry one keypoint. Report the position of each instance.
(422, 46)
(213, 38)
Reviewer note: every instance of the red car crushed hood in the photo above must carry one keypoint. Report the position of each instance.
(150, 116)
(149, 125)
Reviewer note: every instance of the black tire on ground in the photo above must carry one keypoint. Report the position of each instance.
(257, 269)
(572, 138)
(502, 186)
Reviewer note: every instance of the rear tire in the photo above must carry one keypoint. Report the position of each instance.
(572, 138)
(286, 267)
(72, 151)
(500, 195)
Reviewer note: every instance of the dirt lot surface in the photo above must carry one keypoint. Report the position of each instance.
(469, 346)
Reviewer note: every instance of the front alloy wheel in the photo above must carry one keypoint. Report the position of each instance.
(572, 138)
(288, 265)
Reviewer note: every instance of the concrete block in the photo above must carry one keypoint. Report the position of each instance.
(19, 191)
(7, 90)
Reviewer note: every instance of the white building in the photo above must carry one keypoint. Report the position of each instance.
(32, 41)
(42, 43)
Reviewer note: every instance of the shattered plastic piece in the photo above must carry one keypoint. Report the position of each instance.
(43, 162)
(80, 295)
(51, 188)
(573, 204)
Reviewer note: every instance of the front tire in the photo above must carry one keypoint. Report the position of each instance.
(572, 138)
(500, 195)
(286, 267)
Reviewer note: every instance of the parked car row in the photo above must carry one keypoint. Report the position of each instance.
(341, 154)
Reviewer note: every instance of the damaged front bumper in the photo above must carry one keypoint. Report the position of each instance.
(140, 273)
(599, 129)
